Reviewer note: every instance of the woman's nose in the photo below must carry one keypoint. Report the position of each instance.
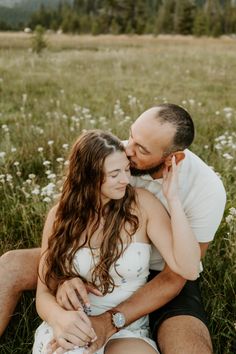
(124, 178)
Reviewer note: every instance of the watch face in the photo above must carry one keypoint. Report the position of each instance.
(119, 320)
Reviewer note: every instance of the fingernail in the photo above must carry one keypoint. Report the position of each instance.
(94, 339)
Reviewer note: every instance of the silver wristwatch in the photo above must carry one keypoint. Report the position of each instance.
(118, 319)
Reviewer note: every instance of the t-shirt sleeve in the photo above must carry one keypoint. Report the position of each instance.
(207, 210)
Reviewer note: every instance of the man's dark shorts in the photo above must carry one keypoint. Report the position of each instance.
(188, 302)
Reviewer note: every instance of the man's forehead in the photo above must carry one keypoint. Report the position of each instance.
(150, 132)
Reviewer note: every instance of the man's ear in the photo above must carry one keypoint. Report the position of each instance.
(179, 156)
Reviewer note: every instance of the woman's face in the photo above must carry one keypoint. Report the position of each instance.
(117, 176)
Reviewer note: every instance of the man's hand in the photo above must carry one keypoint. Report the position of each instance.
(104, 329)
(73, 294)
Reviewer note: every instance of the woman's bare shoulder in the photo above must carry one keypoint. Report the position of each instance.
(144, 195)
(146, 199)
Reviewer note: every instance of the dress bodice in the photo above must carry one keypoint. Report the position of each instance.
(132, 268)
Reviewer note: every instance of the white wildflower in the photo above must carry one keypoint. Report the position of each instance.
(48, 190)
(50, 142)
(65, 146)
(232, 211)
(191, 101)
(13, 149)
(32, 176)
(16, 163)
(35, 191)
(46, 200)
(24, 98)
(5, 128)
(229, 218)
(218, 147)
(227, 109)
(228, 156)
(60, 159)
(46, 163)
(8, 177)
(40, 149)
(51, 176)
(228, 115)
(2, 154)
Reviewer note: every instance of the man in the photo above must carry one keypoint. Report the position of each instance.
(179, 324)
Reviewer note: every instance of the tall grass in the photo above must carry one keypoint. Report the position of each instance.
(83, 82)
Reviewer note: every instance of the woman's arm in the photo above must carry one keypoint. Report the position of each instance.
(172, 236)
(71, 328)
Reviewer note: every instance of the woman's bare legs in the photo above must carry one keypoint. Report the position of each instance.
(128, 345)
(18, 272)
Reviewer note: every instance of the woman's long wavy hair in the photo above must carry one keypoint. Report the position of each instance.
(80, 211)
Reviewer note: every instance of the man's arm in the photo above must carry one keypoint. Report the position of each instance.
(153, 295)
(18, 272)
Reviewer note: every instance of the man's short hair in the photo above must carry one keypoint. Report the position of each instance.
(181, 120)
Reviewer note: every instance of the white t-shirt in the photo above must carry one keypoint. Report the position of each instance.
(202, 195)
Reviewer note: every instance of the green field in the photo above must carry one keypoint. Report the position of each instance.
(84, 82)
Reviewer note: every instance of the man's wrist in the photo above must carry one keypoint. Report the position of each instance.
(110, 328)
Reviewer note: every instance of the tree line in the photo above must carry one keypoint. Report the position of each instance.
(209, 17)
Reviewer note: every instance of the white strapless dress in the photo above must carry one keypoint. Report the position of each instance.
(133, 269)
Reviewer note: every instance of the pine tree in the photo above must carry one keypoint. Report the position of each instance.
(213, 13)
(165, 17)
(184, 17)
(200, 25)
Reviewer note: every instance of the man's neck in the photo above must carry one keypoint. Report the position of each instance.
(157, 175)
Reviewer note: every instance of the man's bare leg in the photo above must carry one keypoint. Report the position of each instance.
(128, 345)
(184, 335)
(18, 272)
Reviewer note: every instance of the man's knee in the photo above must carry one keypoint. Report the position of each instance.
(184, 335)
(19, 269)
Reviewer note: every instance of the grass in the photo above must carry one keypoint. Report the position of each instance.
(82, 82)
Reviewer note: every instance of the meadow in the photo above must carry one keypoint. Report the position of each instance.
(85, 82)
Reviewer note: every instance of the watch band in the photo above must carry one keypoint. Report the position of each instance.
(112, 312)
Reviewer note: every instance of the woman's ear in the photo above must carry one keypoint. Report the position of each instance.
(179, 156)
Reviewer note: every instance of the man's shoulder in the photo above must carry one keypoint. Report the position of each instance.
(199, 175)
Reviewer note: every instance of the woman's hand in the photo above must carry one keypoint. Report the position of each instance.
(73, 294)
(170, 185)
(72, 329)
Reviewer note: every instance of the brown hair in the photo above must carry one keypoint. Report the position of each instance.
(181, 120)
(80, 211)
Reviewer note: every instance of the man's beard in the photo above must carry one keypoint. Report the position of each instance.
(149, 171)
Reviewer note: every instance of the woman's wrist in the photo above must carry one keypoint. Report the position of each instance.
(174, 202)
(55, 315)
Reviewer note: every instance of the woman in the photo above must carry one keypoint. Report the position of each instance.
(101, 230)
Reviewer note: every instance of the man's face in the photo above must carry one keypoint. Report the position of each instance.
(148, 143)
